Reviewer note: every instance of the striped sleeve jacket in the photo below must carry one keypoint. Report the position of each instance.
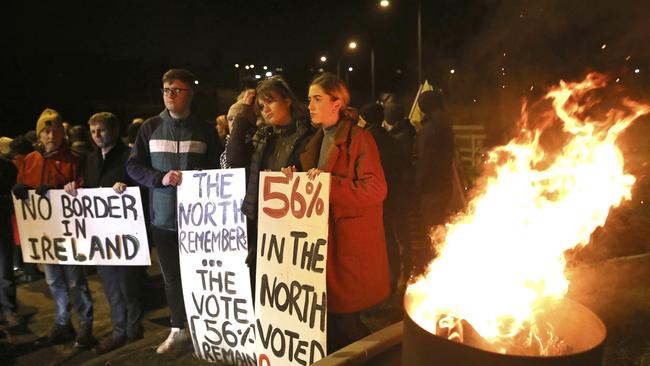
(165, 144)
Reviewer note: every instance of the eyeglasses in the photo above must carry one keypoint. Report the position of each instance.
(172, 91)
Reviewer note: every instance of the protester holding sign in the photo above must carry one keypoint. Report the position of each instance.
(51, 166)
(276, 145)
(106, 167)
(357, 264)
(172, 141)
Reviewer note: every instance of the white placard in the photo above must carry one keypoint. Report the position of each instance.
(216, 283)
(291, 291)
(95, 227)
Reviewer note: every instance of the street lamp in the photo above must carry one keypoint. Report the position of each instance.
(323, 59)
(352, 45)
(384, 3)
(419, 41)
(451, 79)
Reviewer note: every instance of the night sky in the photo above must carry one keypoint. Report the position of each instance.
(81, 57)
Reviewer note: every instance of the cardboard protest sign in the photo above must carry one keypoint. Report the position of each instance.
(216, 283)
(95, 227)
(291, 296)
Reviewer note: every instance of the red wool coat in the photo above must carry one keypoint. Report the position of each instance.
(357, 263)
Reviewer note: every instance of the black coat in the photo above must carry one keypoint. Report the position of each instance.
(404, 133)
(105, 173)
(239, 149)
(261, 141)
(392, 160)
(434, 152)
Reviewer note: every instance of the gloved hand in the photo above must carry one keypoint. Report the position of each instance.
(42, 189)
(20, 191)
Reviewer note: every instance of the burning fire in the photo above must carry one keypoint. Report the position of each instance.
(502, 262)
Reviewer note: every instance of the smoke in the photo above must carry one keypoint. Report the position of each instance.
(524, 47)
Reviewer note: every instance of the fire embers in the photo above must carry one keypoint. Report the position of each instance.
(538, 338)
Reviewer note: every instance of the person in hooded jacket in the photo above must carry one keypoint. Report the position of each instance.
(434, 152)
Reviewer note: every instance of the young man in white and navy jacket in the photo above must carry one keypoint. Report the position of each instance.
(166, 144)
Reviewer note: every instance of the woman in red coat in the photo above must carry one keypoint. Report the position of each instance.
(357, 264)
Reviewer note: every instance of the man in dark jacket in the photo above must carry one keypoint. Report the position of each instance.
(106, 167)
(399, 126)
(434, 151)
(393, 162)
(174, 140)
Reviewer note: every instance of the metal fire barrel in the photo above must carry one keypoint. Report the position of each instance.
(580, 328)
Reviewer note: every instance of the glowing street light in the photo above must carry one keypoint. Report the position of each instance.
(350, 69)
(452, 71)
(247, 67)
(252, 66)
(352, 45)
(236, 66)
(323, 59)
(264, 67)
(384, 3)
(268, 74)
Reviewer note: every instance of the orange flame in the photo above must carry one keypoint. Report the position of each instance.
(504, 257)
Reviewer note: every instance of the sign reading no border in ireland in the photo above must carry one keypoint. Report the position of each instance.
(213, 247)
(291, 296)
(95, 227)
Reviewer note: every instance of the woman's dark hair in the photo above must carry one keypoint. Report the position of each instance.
(277, 85)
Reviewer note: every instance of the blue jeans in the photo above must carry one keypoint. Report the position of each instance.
(69, 281)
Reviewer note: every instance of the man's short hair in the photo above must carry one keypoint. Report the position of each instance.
(108, 118)
(179, 74)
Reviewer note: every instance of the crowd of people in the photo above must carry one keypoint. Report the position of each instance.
(383, 174)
